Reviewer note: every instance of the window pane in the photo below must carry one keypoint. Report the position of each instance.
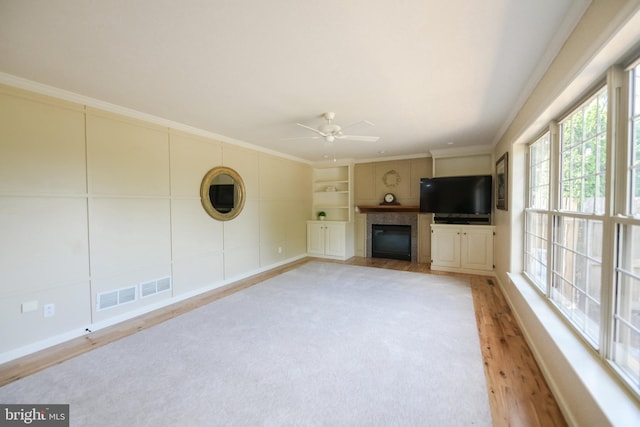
(539, 173)
(536, 222)
(602, 112)
(536, 248)
(627, 308)
(634, 164)
(577, 273)
(583, 148)
(635, 76)
(635, 192)
(591, 119)
(636, 141)
(577, 122)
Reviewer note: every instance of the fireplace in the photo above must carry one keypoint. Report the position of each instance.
(408, 219)
(391, 241)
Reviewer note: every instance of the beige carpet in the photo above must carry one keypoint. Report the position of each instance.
(322, 345)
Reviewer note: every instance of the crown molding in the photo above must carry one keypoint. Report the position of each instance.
(454, 152)
(65, 95)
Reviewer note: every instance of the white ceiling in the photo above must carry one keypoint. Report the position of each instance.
(428, 73)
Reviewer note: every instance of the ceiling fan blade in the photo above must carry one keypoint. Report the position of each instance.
(367, 122)
(312, 129)
(358, 138)
(303, 137)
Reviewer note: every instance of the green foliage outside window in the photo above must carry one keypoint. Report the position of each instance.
(584, 157)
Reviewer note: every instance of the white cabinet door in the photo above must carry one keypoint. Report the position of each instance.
(334, 240)
(477, 248)
(326, 238)
(315, 239)
(462, 248)
(445, 247)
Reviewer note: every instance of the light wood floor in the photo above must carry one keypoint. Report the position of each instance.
(518, 393)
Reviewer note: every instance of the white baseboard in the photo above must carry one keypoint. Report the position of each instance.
(75, 333)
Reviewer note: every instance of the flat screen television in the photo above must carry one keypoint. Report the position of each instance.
(222, 197)
(470, 195)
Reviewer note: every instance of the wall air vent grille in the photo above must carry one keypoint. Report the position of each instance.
(155, 287)
(164, 284)
(115, 298)
(148, 288)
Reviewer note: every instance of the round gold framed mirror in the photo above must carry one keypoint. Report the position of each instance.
(222, 193)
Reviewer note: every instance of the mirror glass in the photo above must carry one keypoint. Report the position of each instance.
(222, 193)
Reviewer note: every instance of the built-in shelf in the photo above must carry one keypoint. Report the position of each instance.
(332, 192)
(388, 208)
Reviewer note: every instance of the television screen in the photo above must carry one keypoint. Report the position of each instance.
(222, 197)
(456, 195)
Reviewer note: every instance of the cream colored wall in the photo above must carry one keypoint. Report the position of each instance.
(44, 254)
(369, 185)
(463, 165)
(129, 206)
(92, 201)
(197, 243)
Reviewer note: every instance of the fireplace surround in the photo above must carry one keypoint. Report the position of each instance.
(393, 218)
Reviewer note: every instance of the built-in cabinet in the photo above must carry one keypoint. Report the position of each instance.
(329, 239)
(332, 192)
(333, 236)
(462, 248)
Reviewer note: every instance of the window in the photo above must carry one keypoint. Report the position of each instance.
(626, 316)
(582, 220)
(578, 239)
(537, 212)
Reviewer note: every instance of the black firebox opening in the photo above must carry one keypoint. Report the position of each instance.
(391, 241)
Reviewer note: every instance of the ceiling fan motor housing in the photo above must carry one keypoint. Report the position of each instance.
(329, 129)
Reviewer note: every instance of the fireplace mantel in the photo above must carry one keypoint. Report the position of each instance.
(388, 208)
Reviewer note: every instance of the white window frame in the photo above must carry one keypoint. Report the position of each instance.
(615, 216)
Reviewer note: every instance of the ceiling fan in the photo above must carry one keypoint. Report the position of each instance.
(330, 131)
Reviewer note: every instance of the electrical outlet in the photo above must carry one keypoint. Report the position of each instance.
(279, 249)
(49, 310)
